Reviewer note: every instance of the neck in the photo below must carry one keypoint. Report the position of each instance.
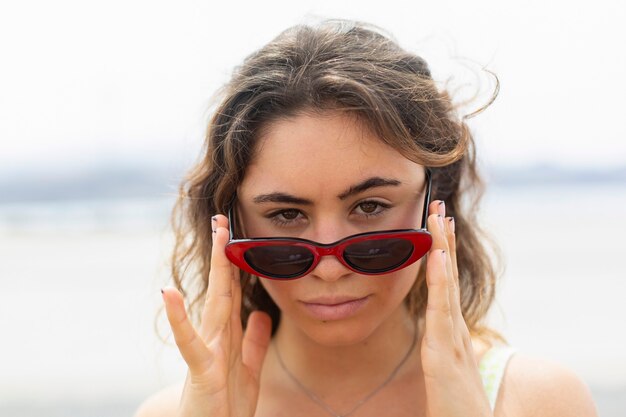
(355, 366)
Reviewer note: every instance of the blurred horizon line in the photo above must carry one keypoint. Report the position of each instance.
(125, 180)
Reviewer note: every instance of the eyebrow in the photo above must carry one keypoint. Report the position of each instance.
(367, 184)
(281, 198)
(355, 189)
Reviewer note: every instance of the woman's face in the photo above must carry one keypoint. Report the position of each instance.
(309, 179)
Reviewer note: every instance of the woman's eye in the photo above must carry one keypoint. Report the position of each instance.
(368, 207)
(289, 214)
(286, 217)
(371, 208)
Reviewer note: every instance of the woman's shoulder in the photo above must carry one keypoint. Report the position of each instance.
(538, 387)
(163, 403)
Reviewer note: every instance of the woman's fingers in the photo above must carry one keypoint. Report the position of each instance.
(450, 231)
(443, 240)
(235, 315)
(448, 360)
(219, 298)
(439, 327)
(190, 345)
(439, 232)
(256, 341)
(463, 335)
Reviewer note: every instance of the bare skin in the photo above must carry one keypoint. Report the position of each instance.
(232, 373)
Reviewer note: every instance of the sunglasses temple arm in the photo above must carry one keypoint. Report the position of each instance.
(230, 222)
(426, 198)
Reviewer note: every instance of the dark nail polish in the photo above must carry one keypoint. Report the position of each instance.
(440, 222)
(213, 222)
(441, 208)
(451, 223)
(161, 290)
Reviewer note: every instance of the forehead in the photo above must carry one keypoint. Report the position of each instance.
(313, 155)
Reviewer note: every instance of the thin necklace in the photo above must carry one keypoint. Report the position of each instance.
(328, 408)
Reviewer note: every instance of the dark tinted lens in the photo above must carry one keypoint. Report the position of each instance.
(378, 255)
(279, 261)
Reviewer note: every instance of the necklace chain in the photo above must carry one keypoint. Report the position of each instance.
(362, 401)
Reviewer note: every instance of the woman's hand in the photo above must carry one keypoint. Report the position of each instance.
(452, 379)
(224, 364)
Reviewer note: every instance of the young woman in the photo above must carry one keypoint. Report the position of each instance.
(329, 251)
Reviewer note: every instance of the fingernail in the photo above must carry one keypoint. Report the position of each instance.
(440, 221)
(441, 208)
(451, 223)
(161, 290)
(213, 223)
(443, 256)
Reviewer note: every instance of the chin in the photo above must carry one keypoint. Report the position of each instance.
(352, 330)
(337, 333)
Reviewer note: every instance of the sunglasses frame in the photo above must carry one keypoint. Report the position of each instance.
(421, 240)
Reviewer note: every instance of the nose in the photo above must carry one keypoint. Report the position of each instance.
(329, 267)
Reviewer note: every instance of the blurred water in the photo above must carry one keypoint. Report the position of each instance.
(80, 288)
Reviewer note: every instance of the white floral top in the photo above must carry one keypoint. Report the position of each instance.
(492, 367)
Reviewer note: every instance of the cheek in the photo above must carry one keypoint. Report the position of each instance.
(280, 292)
(399, 287)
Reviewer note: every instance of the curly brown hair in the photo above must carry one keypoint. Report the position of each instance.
(352, 67)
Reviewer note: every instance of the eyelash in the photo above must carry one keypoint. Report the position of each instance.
(275, 216)
(381, 208)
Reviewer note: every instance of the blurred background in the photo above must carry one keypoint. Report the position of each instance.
(103, 106)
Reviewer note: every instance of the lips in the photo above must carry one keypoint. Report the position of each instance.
(334, 308)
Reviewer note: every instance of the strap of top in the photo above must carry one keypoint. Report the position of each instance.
(492, 367)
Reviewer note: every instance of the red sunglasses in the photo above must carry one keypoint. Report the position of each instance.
(371, 253)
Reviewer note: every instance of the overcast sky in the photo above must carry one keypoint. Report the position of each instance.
(84, 82)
